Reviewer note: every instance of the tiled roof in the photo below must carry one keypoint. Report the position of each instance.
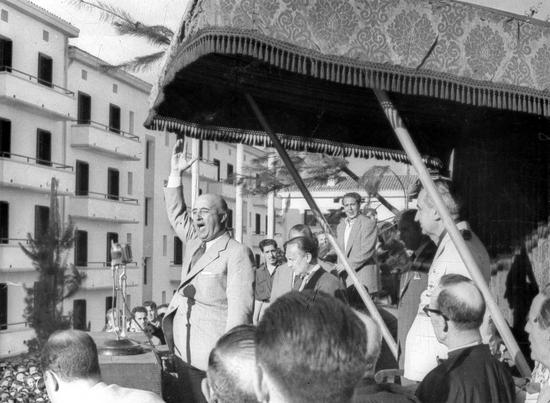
(45, 11)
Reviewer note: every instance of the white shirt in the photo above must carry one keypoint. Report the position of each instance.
(347, 230)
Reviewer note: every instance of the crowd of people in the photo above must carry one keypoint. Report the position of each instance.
(295, 329)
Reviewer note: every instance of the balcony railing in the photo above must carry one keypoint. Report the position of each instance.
(28, 159)
(114, 197)
(36, 79)
(108, 128)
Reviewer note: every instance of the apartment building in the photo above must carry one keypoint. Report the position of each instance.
(64, 115)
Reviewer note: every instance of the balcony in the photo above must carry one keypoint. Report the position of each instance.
(12, 258)
(28, 173)
(24, 90)
(104, 207)
(226, 190)
(99, 276)
(98, 138)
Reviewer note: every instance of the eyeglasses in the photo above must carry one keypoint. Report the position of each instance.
(427, 310)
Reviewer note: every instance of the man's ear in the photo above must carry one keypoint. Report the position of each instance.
(309, 257)
(260, 385)
(51, 381)
(206, 390)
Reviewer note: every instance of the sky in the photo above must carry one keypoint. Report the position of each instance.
(101, 40)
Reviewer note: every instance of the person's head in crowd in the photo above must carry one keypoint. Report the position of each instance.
(301, 254)
(301, 230)
(538, 327)
(352, 205)
(69, 362)
(110, 320)
(456, 311)
(209, 216)
(269, 250)
(151, 308)
(139, 319)
(427, 214)
(310, 347)
(409, 230)
(161, 310)
(232, 367)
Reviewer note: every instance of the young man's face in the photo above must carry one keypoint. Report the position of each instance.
(270, 254)
(141, 319)
(151, 313)
(351, 207)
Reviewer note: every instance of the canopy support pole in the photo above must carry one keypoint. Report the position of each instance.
(326, 228)
(408, 145)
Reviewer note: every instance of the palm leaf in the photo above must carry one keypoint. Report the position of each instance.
(136, 64)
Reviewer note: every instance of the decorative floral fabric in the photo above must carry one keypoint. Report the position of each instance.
(442, 36)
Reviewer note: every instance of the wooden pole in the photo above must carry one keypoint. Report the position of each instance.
(239, 196)
(408, 145)
(326, 228)
(195, 171)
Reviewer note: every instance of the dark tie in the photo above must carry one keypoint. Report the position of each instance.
(197, 255)
(298, 279)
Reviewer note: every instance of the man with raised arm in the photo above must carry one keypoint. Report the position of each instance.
(216, 292)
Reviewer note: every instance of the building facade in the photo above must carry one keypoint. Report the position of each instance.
(64, 115)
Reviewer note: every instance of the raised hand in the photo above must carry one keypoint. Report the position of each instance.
(178, 162)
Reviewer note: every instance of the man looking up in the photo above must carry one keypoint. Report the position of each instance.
(422, 348)
(264, 277)
(71, 373)
(357, 237)
(216, 292)
(470, 374)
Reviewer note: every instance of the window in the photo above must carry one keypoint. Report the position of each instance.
(112, 237)
(114, 118)
(81, 248)
(148, 146)
(41, 220)
(79, 314)
(109, 303)
(4, 15)
(201, 149)
(3, 306)
(145, 267)
(45, 35)
(164, 245)
(217, 165)
(84, 74)
(131, 122)
(178, 249)
(229, 223)
(115, 88)
(112, 184)
(130, 183)
(258, 224)
(229, 171)
(82, 178)
(5, 54)
(5, 138)
(146, 212)
(43, 147)
(4, 222)
(84, 114)
(45, 70)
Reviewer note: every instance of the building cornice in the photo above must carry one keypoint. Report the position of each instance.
(96, 63)
(43, 15)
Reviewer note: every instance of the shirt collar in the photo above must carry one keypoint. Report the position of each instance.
(213, 241)
(475, 343)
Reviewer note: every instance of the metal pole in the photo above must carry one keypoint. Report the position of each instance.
(410, 148)
(326, 228)
(195, 171)
(239, 195)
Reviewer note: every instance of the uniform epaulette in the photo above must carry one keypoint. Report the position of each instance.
(466, 234)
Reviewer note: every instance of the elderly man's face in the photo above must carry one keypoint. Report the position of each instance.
(208, 219)
(297, 259)
(539, 338)
(425, 214)
(351, 207)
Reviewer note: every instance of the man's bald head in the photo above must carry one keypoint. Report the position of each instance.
(213, 200)
(461, 301)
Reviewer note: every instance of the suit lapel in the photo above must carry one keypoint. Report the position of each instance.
(211, 254)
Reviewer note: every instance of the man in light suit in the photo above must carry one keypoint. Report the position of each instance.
(216, 292)
(357, 236)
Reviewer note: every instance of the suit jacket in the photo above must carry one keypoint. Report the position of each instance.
(323, 281)
(412, 283)
(216, 295)
(360, 250)
(470, 375)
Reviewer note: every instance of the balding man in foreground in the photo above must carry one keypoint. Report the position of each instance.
(71, 373)
(232, 368)
(470, 374)
(216, 292)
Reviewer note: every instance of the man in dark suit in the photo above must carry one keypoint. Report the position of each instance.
(470, 374)
(357, 238)
(216, 292)
(415, 280)
(301, 255)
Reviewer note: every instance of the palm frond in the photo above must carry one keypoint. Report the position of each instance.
(155, 34)
(107, 12)
(137, 64)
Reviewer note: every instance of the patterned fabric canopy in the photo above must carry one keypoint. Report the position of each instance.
(442, 49)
